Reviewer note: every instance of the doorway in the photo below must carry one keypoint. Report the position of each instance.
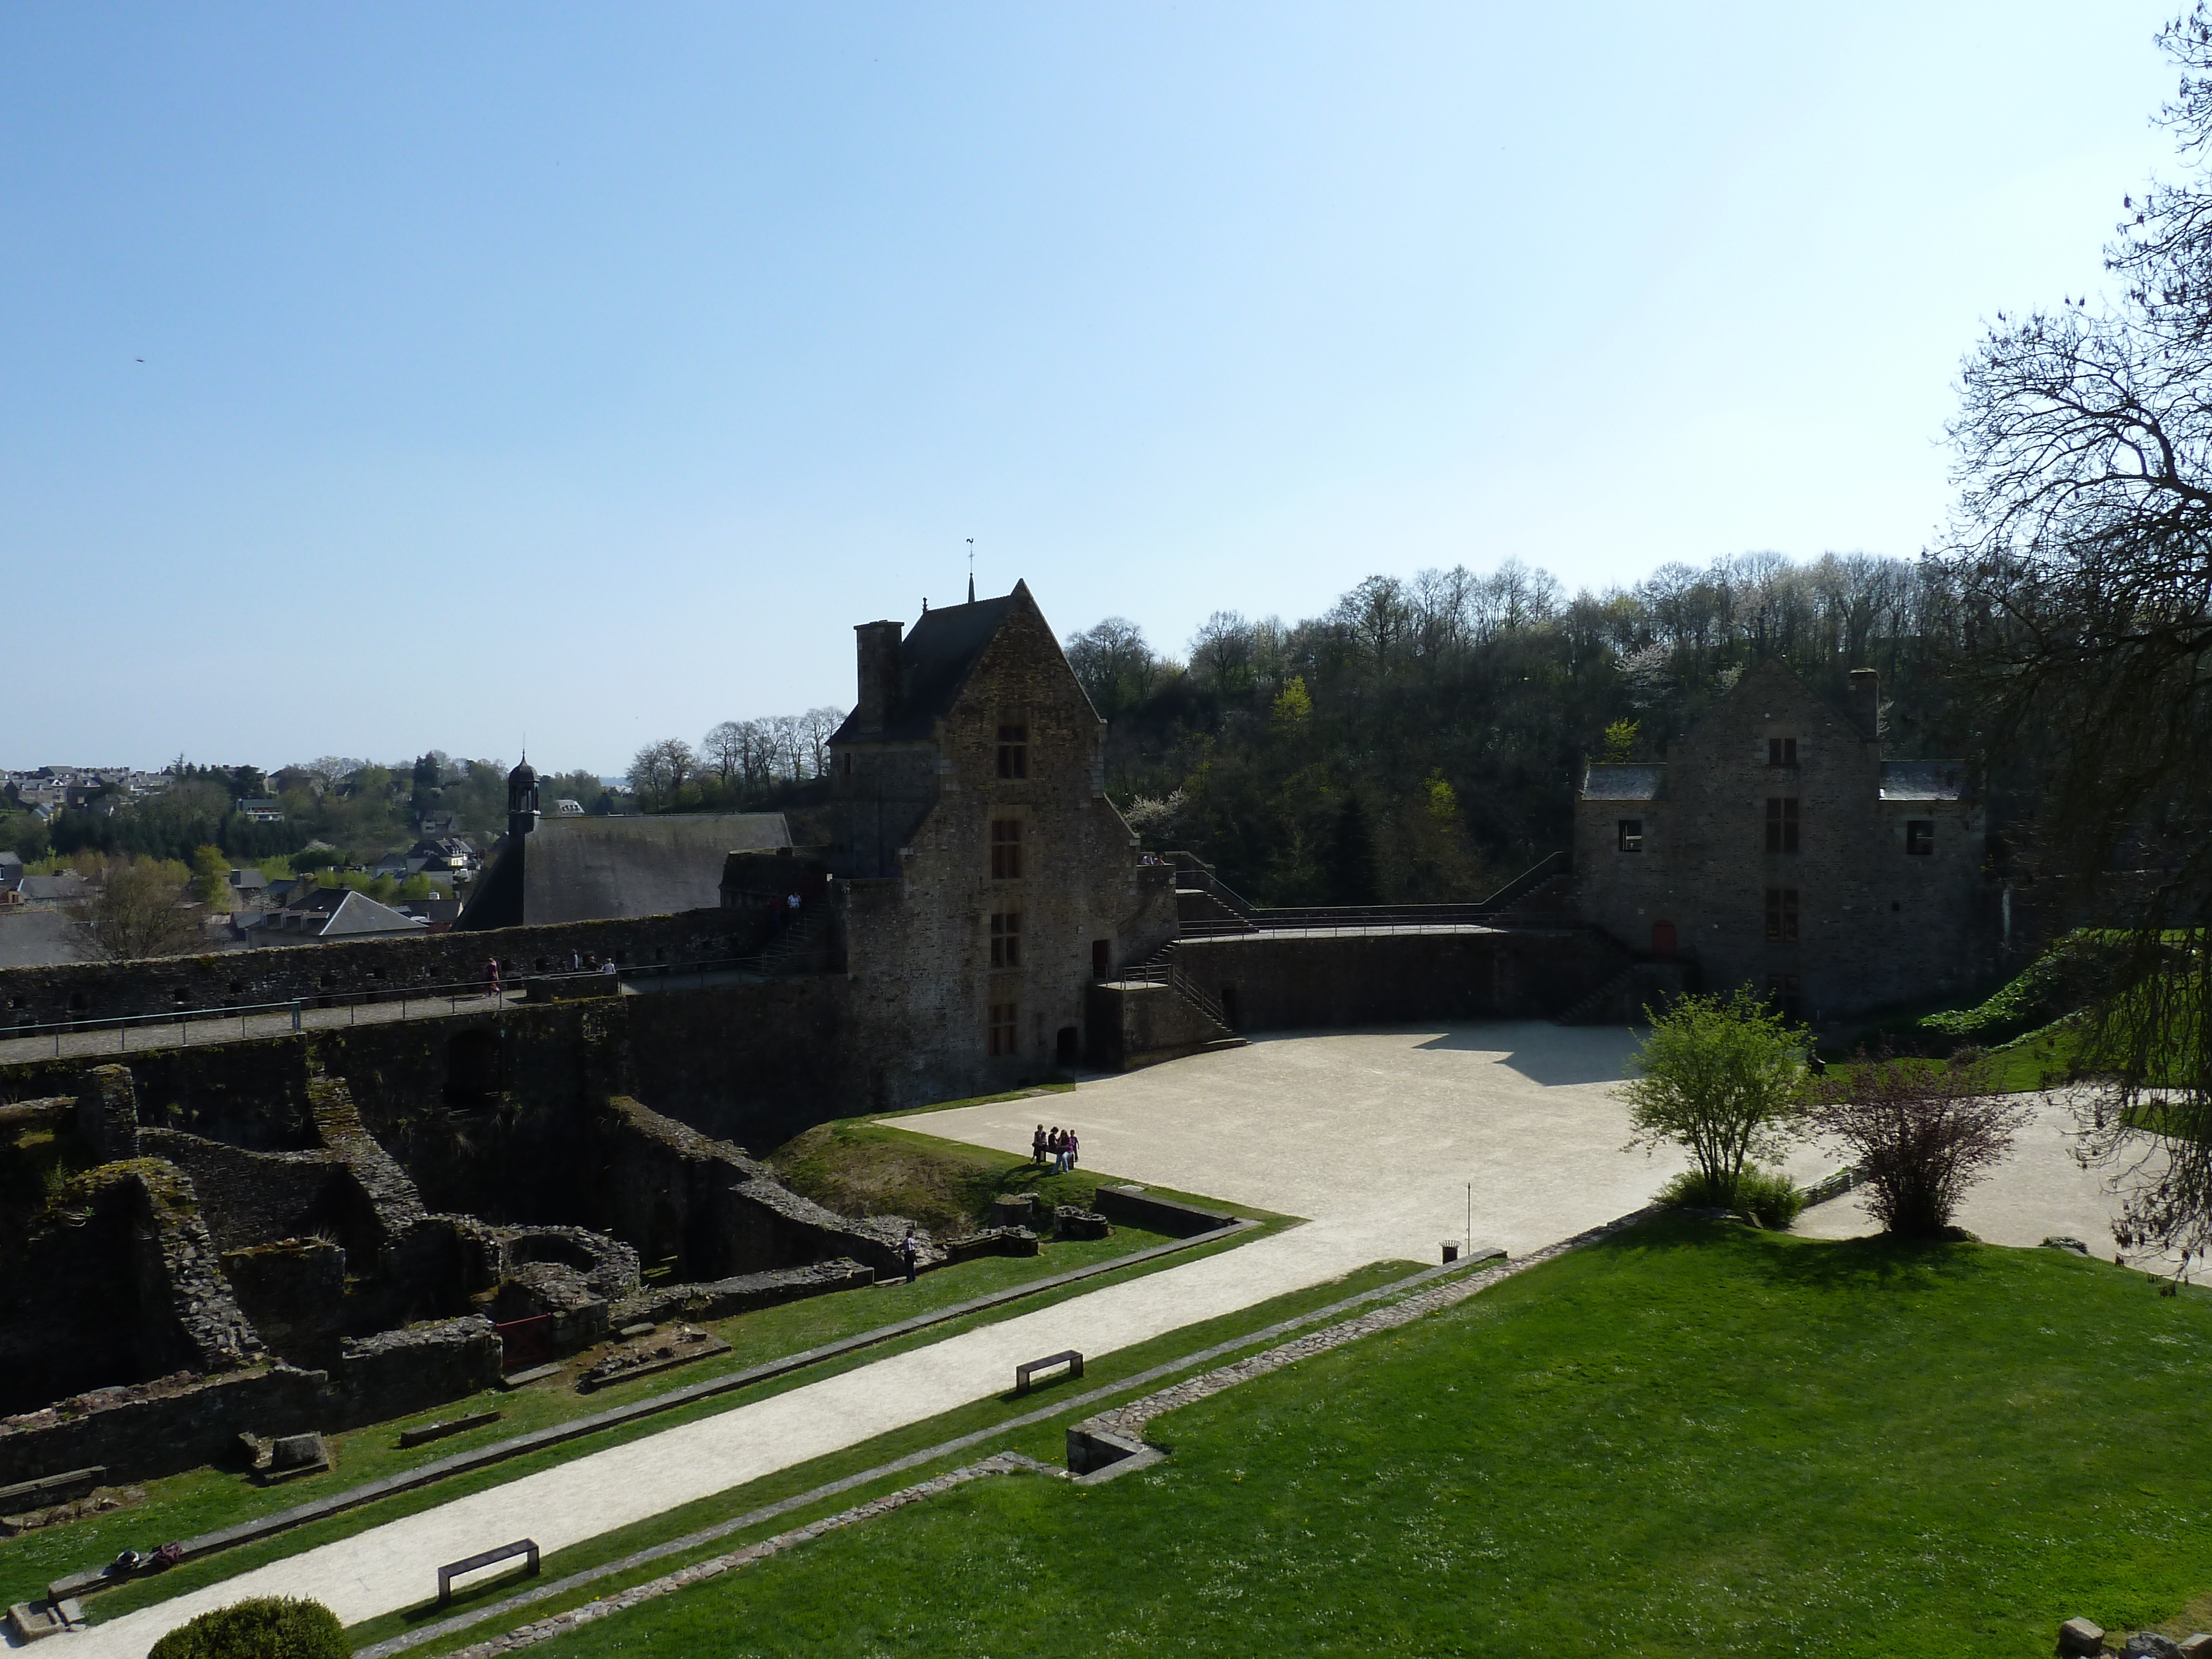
(1662, 940)
(1101, 958)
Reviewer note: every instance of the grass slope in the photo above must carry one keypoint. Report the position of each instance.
(1694, 1438)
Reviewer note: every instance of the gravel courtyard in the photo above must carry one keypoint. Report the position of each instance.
(1377, 1134)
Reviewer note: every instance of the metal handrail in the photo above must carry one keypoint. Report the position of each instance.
(1388, 918)
(1167, 972)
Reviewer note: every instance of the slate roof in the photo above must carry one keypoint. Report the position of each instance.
(600, 869)
(1625, 780)
(1924, 780)
(358, 916)
(934, 661)
(51, 889)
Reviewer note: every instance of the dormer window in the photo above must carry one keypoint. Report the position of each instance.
(1013, 751)
(1781, 751)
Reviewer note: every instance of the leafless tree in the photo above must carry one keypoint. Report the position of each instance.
(786, 753)
(816, 727)
(1920, 1134)
(659, 770)
(139, 912)
(723, 748)
(2083, 545)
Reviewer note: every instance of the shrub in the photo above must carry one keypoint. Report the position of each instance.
(1920, 1134)
(1723, 1077)
(1767, 1196)
(267, 1628)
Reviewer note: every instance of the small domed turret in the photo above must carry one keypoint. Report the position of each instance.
(522, 798)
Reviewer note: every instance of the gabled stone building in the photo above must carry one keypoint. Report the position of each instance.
(1775, 847)
(984, 877)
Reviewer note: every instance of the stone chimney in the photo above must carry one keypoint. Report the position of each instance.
(879, 643)
(1865, 702)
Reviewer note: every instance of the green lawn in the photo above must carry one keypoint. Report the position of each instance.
(202, 1500)
(1696, 1438)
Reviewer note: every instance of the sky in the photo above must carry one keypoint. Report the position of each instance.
(378, 379)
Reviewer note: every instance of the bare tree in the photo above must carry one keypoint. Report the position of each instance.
(139, 912)
(648, 776)
(1920, 1134)
(2083, 543)
(786, 753)
(723, 748)
(816, 727)
(682, 764)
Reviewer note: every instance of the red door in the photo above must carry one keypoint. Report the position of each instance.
(1663, 939)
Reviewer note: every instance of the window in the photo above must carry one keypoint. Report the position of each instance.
(1781, 824)
(1920, 836)
(1006, 849)
(1006, 1024)
(1781, 751)
(1632, 836)
(1013, 751)
(1007, 940)
(1782, 916)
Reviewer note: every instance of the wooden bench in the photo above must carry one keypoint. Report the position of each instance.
(1066, 1356)
(523, 1547)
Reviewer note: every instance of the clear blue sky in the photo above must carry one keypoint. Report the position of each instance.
(587, 373)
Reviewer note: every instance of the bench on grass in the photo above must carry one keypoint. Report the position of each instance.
(1066, 1356)
(523, 1547)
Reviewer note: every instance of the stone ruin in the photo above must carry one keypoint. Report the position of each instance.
(179, 1290)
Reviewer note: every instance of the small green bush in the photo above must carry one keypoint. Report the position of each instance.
(267, 1627)
(1767, 1196)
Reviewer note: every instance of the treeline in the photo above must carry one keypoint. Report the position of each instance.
(1422, 738)
(738, 764)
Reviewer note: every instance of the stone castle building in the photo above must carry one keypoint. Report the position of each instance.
(1775, 847)
(986, 881)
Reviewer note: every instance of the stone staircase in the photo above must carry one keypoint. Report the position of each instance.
(1549, 903)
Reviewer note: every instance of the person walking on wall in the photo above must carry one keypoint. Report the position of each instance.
(491, 977)
(1037, 1145)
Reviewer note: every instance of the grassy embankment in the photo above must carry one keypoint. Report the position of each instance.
(1697, 1437)
(845, 1156)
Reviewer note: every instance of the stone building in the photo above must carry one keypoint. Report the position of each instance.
(985, 879)
(1775, 848)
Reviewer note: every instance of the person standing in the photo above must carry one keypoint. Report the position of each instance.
(910, 1252)
(1037, 1145)
(1071, 1149)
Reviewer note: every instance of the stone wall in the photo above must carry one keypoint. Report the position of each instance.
(280, 974)
(395, 1373)
(174, 1423)
(1277, 982)
(675, 1192)
(1138, 1024)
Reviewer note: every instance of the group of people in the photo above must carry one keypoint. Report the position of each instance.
(1056, 1147)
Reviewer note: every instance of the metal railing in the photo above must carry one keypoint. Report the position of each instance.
(1191, 876)
(1164, 969)
(480, 993)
